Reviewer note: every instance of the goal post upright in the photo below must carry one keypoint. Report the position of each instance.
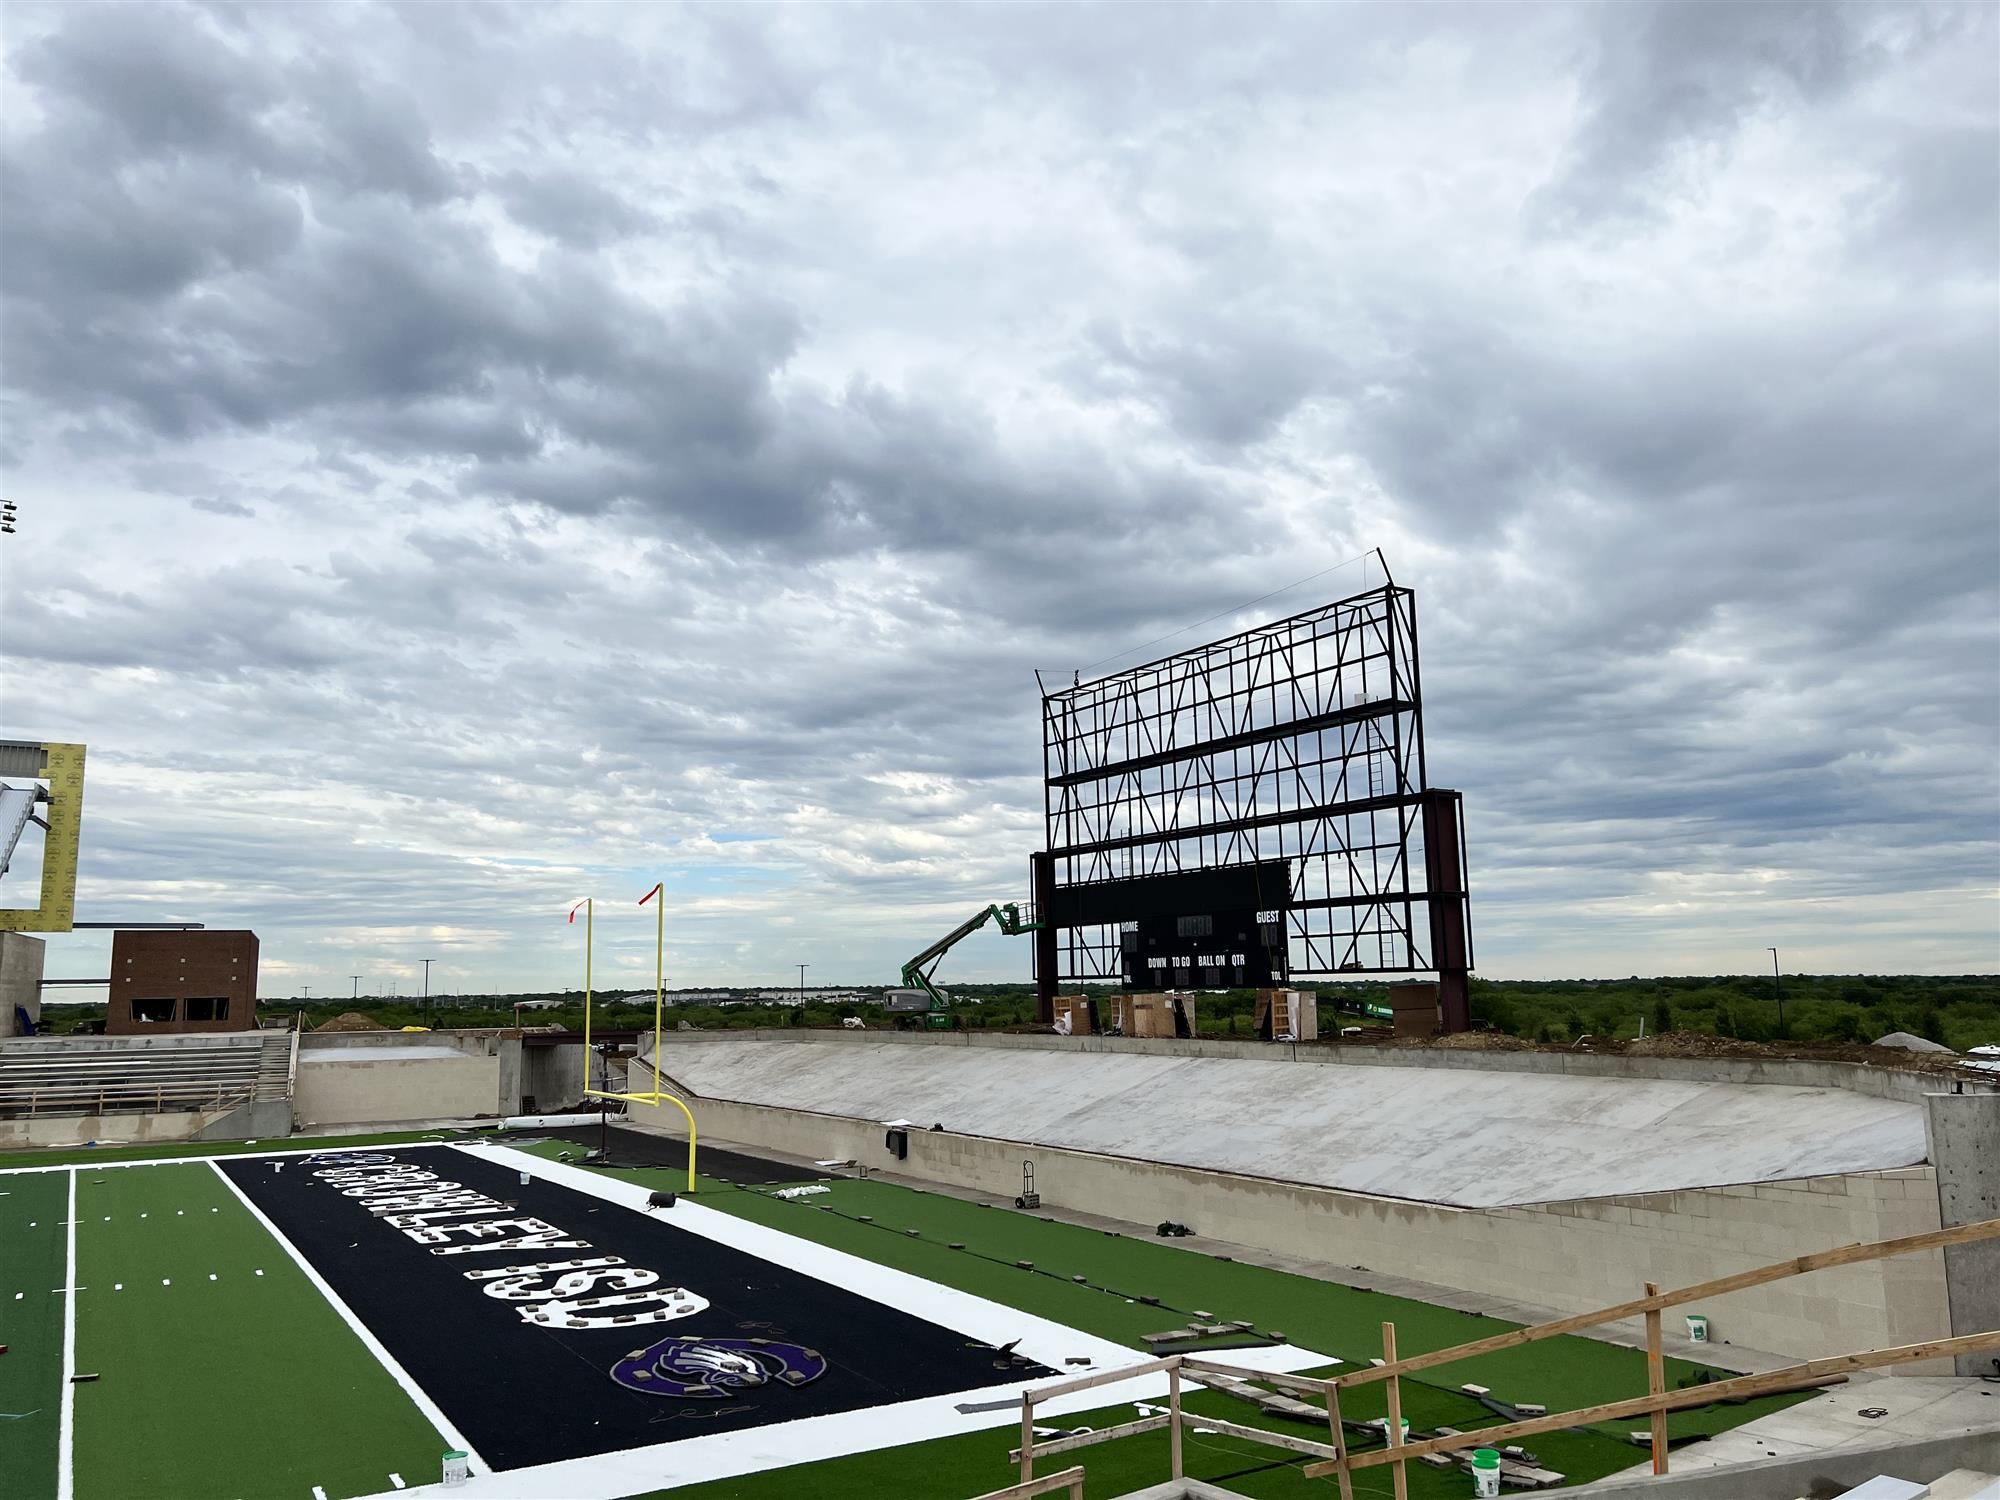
(659, 1093)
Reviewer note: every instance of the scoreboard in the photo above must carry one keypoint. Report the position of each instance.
(1243, 949)
(1217, 928)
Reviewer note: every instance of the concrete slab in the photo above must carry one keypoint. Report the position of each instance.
(1912, 1406)
(1471, 1139)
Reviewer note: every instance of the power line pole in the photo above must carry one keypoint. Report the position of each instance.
(802, 983)
(1778, 984)
(427, 986)
(357, 985)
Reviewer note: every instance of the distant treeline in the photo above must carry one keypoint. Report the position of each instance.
(1960, 1011)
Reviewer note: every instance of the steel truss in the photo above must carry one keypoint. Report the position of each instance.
(1301, 741)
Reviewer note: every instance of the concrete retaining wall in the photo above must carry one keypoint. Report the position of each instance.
(552, 1076)
(1566, 1256)
(45, 1132)
(385, 1078)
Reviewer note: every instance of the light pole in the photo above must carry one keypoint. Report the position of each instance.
(427, 986)
(802, 983)
(1778, 984)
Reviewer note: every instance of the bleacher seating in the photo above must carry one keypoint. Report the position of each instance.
(63, 1075)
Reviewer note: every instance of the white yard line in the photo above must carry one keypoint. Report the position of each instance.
(431, 1410)
(66, 1439)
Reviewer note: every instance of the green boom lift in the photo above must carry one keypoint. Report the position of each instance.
(920, 995)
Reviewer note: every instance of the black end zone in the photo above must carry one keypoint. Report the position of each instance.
(535, 1391)
(641, 1148)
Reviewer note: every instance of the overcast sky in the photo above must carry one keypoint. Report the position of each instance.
(475, 457)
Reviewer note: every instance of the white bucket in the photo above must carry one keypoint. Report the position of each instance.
(457, 1468)
(1485, 1474)
(1697, 1328)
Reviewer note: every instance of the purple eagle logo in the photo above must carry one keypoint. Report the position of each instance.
(712, 1369)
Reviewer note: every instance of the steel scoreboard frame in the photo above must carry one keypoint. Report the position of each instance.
(1298, 742)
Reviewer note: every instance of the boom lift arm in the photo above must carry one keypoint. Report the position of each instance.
(917, 972)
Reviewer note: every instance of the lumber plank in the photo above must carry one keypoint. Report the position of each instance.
(1086, 1439)
(1772, 1381)
(1048, 1484)
(1040, 1394)
(1844, 1255)
(1656, 1382)
(1260, 1435)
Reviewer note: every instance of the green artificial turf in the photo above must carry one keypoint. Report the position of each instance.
(326, 1414)
(243, 1385)
(33, 1258)
(1116, 1270)
(1338, 1320)
(959, 1467)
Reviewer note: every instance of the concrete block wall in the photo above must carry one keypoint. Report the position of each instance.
(1569, 1257)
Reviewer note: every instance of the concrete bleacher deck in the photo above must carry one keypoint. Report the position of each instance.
(119, 1075)
(1468, 1139)
(1542, 1178)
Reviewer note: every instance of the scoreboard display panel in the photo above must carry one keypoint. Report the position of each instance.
(1207, 951)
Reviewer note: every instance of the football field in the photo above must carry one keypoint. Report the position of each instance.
(346, 1321)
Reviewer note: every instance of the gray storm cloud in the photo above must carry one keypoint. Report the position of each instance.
(473, 457)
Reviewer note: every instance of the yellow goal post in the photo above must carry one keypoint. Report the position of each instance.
(659, 1093)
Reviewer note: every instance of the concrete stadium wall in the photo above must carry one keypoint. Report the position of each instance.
(1964, 1135)
(552, 1077)
(385, 1078)
(48, 1131)
(21, 960)
(1569, 1257)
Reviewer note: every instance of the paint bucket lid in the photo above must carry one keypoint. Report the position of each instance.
(1485, 1458)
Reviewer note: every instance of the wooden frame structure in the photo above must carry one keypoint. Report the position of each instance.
(1335, 1458)
(1048, 1484)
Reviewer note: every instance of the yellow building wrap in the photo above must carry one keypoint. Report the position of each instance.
(62, 768)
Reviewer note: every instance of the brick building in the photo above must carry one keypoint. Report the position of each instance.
(182, 981)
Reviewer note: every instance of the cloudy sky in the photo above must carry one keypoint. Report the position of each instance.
(474, 457)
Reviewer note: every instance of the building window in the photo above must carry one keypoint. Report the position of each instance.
(153, 1012)
(208, 1008)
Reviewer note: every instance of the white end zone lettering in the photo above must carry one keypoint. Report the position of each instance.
(569, 1284)
(493, 1273)
(536, 1234)
(413, 1203)
(662, 1305)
